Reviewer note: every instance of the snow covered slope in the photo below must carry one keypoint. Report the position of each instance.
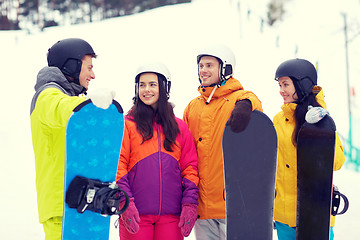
(173, 34)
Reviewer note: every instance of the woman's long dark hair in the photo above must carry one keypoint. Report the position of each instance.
(300, 112)
(144, 116)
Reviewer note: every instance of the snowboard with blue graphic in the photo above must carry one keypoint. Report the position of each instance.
(315, 164)
(93, 142)
(250, 159)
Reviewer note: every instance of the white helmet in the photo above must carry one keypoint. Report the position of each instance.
(225, 56)
(154, 67)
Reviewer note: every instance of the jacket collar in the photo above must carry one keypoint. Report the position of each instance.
(53, 74)
(230, 86)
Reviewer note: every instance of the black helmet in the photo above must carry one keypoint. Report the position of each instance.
(67, 54)
(302, 72)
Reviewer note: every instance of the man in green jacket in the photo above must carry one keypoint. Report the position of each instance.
(58, 87)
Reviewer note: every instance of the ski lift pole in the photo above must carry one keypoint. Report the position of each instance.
(348, 87)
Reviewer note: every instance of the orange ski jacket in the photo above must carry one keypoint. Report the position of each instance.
(206, 122)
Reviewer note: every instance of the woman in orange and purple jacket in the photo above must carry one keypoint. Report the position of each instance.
(158, 165)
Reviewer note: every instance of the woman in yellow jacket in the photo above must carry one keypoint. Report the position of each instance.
(297, 80)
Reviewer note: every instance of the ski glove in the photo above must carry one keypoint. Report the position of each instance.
(187, 218)
(315, 114)
(240, 116)
(102, 98)
(131, 217)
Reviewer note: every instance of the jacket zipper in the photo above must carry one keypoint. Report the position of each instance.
(160, 172)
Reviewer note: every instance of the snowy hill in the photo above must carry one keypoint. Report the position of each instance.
(173, 34)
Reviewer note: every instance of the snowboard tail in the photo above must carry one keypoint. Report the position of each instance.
(250, 167)
(315, 164)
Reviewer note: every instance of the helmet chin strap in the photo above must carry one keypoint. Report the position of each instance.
(221, 75)
(77, 82)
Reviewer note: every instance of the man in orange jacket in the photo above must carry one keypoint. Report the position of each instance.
(222, 101)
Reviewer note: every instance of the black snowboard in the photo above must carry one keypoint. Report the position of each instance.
(315, 164)
(250, 169)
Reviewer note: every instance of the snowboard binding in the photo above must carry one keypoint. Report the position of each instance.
(96, 196)
(337, 195)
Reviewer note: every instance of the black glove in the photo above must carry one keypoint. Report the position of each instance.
(240, 116)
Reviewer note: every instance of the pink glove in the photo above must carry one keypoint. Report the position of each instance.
(131, 217)
(187, 218)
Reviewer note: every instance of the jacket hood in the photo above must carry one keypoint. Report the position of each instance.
(54, 75)
(289, 108)
(230, 86)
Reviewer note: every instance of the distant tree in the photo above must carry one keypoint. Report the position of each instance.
(46, 13)
(275, 11)
(9, 15)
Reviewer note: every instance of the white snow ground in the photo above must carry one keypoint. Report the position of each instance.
(173, 34)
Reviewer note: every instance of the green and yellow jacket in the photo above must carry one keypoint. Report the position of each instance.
(51, 107)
